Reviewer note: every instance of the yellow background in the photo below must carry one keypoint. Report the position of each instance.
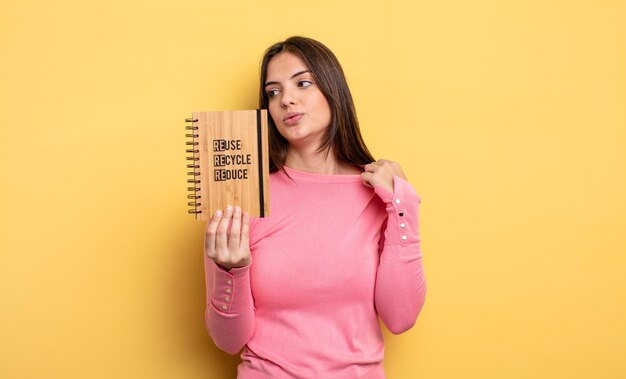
(508, 117)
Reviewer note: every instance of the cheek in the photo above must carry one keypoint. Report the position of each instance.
(274, 112)
(324, 108)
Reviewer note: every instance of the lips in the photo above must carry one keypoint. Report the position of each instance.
(292, 118)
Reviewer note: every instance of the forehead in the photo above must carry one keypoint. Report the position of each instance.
(283, 65)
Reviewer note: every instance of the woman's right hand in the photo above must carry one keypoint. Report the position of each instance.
(228, 248)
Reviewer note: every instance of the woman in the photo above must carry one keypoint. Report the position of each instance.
(301, 290)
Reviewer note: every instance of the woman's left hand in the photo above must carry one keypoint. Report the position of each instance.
(381, 173)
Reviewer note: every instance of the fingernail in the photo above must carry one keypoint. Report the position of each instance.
(218, 213)
(237, 210)
(229, 209)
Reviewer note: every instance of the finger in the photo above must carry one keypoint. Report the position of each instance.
(385, 164)
(209, 238)
(371, 167)
(366, 178)
(245, 231)
(221, 238)
(391, 168)
(235, 230)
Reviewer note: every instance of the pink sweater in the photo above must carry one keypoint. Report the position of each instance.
(332, 257)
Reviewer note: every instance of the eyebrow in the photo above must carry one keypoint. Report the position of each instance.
(292, 76)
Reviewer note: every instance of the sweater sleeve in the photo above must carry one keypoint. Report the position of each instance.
(229, 314)
(400, 283)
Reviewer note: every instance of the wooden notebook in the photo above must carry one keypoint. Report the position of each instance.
(229, 158)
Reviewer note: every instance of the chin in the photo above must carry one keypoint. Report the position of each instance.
(295, 138)
(293, 134)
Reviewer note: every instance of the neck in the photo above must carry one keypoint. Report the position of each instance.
(309, 160)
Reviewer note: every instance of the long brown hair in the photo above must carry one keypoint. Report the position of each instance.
(343, 134)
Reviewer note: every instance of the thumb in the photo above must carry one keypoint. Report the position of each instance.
(366, 178)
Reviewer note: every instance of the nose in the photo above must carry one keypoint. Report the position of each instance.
(288, 98)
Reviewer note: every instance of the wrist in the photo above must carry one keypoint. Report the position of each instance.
(240, 264)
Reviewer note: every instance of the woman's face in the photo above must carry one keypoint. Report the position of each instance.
(297, 106)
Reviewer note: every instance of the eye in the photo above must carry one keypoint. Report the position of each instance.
(305, 83)
(272, 92)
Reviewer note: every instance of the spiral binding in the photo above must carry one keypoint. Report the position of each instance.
(195, 196)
